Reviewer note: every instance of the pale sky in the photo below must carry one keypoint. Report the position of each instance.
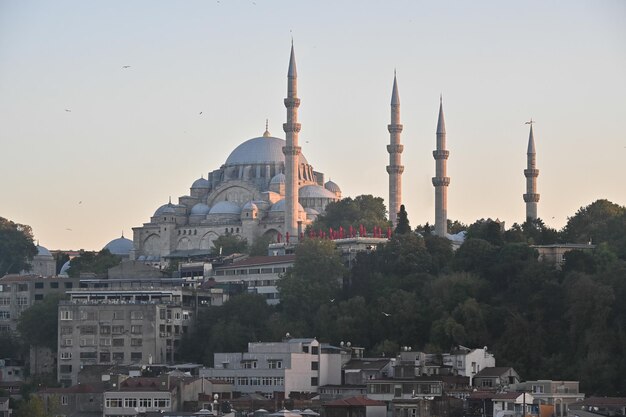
(134, 136)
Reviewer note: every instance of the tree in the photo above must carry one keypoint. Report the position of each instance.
(314, 279)
(365, 210)
(34, 407)
(94, 262)
(16, 247)
(455, 226)
(228, 244)
(489, 230)
(593, 223)
(260, 245)
(37, 324)
(403, 226)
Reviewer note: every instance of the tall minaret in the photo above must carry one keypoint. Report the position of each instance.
(440, 180)
(291, 149)
(531, 173)
(394, 148)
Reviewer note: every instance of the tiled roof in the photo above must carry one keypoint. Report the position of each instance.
(75, 389)
(600, 401)
(366, 364)
(260, 260)
(507, 395)
(493, 371)
(354, 402)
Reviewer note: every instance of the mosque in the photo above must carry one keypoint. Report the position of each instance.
(266, 187)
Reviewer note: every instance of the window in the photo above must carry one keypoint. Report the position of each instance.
(22, 287)
(22, 301)
(5, 301)
(266, 270)
(248, 364)
(315, 366)
(486, 383)
(105, 357)
(130, 402)
(67, 342)
(105, 341)
(68, 285)
(38, 297)
(161, 402)
(88, 355)
(113, 403)
(117, 329)
(136, 356)
(136, 315)
(305, 349)
(65, 369)
(54, 285)
(118, 356)
(135, 329)
(118, 342)
(315, 350)
(38, 285)
(162, 314)
(118, 315)
(274, 364)
(145, 402)
(64, 400)
(136, 342)
(66, 330)
(65, 315)
(87, 341)
(105, 329)
(5, 315)
(87, 329)
(314, 381)
(537, 389)
(66, 355)
(87, 315)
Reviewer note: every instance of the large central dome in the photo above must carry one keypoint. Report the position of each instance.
(261, 150)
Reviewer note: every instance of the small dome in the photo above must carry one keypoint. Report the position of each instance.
(315, 191)
(311, 211)
(261, 150)
(225, 207)
(41, 251)
(64, 269)
(280, 206)
(168, 208)
(200, 209)
(200, 183)
(332, 187)
(120, 246)
(278, 179)
(250, 206)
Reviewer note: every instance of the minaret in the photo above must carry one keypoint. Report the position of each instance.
(291, 149)
(394, 148)
(440, 180)
(531, 173)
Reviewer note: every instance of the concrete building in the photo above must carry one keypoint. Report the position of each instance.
(5, 408)
(84, 400)
(555, 253)
(531, 198)
(266, 187)
(146, 328)
(357, 406)
(498, 378)
(560, 394)
(468, 362)
(441, 181)
(19, 292)
(258, 274)
(42, 264)
(395, 148)
(277, 369)
(518, 404)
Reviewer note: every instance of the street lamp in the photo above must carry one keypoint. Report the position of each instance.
(216, 403)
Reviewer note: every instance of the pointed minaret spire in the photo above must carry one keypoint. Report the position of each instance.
(531, 173)
(395, 168)
(441, 180)
(292, 150)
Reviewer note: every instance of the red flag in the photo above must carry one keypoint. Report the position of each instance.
(279, 237)
(389, 233)
(287, 237)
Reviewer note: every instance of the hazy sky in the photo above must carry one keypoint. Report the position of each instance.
(134, 136)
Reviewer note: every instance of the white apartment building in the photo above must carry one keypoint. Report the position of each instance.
(277, 369)
(468, 362)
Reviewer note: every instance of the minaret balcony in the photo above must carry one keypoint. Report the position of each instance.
(291, 102)
(441, 181)
(395, 128)
(531, 198)
(395, 148)
(531, 172)
(395, 169)
(441, 154)
(291, 150)
(291, 127)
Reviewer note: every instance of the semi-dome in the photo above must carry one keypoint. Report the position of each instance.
(120, 246)
(311, 211)
(200, 209)
(280, 206)
(250, 206)
(278, 179)
(41, 251)
(315, 191)
(261, 150)
(332, 187)
(225, 207)
(200, 183)
(168, 208)
(64, 269)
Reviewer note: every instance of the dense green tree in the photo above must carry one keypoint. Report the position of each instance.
(489, 230)
(313, 280)
(34, 407)
(228, 244)
(95, 262)
(9, 346)
(403, 227)
(455, 226)
(260, 245)
(365, 210)
(37, 324)
(16, 247)
(440, 250)
(594, 223)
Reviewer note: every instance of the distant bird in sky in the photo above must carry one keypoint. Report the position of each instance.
(68, 110)
(67, 228)
(125, 66)
(332, 300)
(386, 314)
(200, 113)
(80, 202)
